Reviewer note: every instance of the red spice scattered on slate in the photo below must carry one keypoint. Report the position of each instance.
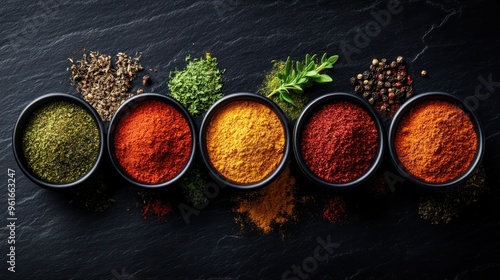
(153, 142)
(335, 210)
(160, 208)
(339, 142)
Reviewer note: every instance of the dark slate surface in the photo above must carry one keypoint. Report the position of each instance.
(457, 42)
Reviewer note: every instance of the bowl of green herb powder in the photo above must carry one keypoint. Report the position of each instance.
(58, 141)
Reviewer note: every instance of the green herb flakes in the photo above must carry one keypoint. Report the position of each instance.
(61, 142)
(193, 186)
(199, 85)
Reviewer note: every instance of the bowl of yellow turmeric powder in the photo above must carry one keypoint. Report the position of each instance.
(436, 140)
(244, 140)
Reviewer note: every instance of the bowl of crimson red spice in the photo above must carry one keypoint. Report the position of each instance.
(58, 141)
(152, 140)
(436, 140)
(338, 140)
(245, 141)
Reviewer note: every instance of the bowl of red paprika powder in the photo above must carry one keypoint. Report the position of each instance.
(245, 141)
(152, 140)
(338, 140)
(58, 141)
(436, 140)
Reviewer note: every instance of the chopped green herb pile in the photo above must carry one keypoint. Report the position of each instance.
(197, 86)
(61, 142)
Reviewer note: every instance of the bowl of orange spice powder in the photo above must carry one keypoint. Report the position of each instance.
(436, 140)
(244, 141)
(152, 140)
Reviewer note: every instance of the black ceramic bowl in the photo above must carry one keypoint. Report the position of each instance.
(408, 105)
(126, 108)
(19, 131)
(213, 110)
(312, 108)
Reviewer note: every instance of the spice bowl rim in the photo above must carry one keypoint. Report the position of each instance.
(123, 110)
(455, 100)
(212, 111)
(18, 133)
(304, 117)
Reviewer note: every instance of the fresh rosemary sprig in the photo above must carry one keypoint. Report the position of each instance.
(304, 74)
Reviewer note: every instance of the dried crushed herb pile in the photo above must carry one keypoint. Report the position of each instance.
(385, 85)
(199, 85)
(271, 206)
(103, 82)
(443, 206)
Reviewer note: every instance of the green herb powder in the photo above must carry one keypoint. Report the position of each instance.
(61, 142)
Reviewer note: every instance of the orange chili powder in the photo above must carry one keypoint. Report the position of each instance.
(436, 141)
(153, 142)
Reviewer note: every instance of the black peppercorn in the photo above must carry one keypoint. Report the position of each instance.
(366, 75)
(353, 80)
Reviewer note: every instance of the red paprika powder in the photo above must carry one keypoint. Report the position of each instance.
(153, 142)
(339, 142)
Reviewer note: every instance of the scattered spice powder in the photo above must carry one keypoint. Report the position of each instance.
(339, 142)
(335, 210)
(154, 203)
(94, 195)
(245, 141)
(153, 142)
(61, 142)
(273, 205)
(160, 208)
(443, 206)
(436, 141)
(104, 85)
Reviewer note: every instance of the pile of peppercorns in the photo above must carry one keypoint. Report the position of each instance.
(386, 86)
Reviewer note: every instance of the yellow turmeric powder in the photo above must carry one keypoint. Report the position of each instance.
(271, 206)
(245, 141)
